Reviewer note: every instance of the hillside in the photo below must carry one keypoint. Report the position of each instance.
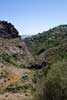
(48, 39)
(51, 47)
(50, 44)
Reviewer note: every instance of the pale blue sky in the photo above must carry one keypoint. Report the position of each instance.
(34, 16)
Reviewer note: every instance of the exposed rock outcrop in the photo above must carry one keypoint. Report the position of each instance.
(8, 31)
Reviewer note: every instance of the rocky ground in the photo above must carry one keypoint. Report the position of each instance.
(10, 76)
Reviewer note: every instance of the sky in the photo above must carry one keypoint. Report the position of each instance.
(33, 16)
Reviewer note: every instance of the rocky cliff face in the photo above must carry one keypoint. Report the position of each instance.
(7, 30)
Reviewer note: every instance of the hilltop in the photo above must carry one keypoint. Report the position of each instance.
(8, 31)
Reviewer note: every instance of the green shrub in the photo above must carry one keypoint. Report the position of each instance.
(54, 86)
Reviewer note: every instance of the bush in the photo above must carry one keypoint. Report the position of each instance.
(55, 85)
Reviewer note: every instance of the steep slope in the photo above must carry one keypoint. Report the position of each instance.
(48, 39)
(14, 51)
(16, 80)
(50, 45)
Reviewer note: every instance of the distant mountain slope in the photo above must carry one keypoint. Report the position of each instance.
(25, 36)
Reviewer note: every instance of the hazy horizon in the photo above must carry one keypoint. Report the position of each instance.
(34, 16)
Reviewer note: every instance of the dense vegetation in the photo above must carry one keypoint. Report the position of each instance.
(48, 39)
(54, 86)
